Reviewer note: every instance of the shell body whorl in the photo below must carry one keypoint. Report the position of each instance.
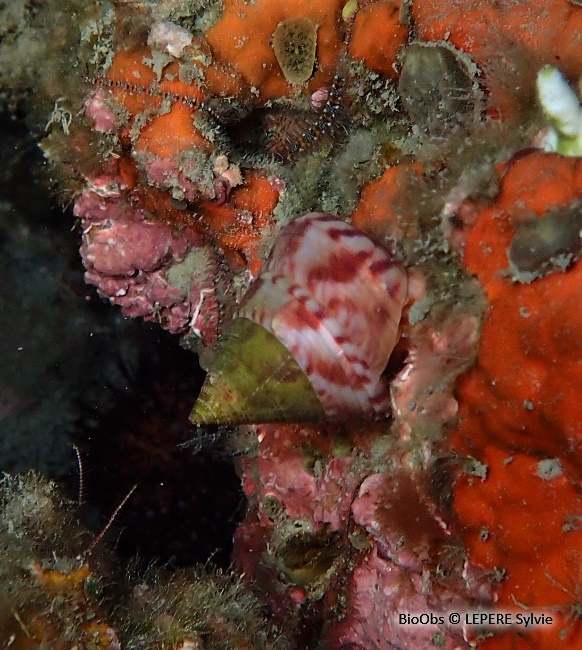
(333, 300)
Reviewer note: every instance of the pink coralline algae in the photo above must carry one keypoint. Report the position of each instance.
(381, 591)
(169, 37)
(97, 110)
(422, 392)
(326, 532)
(147, 268)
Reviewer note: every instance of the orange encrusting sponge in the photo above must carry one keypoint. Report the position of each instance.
(242, 39)
(520, 412)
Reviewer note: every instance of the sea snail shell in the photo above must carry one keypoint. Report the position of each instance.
(313, 333)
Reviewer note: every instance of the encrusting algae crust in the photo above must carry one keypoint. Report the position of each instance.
(207, 130)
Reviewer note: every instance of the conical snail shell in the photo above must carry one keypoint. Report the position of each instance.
(331, 301)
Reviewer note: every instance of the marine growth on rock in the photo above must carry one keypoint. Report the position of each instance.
(364, 217)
